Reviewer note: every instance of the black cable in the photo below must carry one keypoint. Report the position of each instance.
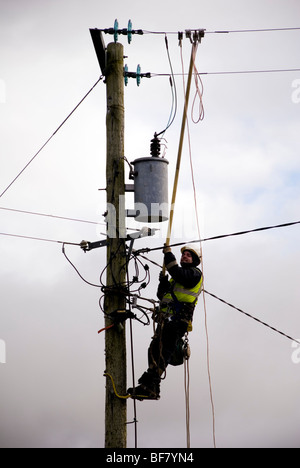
(91, 284)
(223, 236)
(137, 252)
(251, 316)
(50, 138)
(109, 264)
(132, 361)
(174, 92)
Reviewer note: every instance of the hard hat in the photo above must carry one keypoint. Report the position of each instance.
(193, 250)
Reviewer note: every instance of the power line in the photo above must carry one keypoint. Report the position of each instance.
(51, 216)
(227, 31)
(240, 233)
(38, 239)
(147, 249)
(284, 70)
(253, 30)
(251, 316)
(234, 72)
(58, 217)
(50, 138)
(223, 236)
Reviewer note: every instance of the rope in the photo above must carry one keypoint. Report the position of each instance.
(199, 90)
(201, 117)
(186, 364)
(106, 328)
(184, 118)
(209, 375)
(187, 401)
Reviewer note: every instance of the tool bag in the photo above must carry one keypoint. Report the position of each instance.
(182, 352)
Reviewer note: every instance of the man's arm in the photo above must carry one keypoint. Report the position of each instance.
(163, 286)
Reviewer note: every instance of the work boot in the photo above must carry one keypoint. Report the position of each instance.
(149, 388)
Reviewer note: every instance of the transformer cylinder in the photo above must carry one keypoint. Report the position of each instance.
(151, 189)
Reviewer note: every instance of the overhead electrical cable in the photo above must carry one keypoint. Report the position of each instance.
(51, 216)
(39, 239)
(254, 318)
(252, 30)
(234, 72)
(227, 31)
(178, 244)
(76, 269)
(223, 236)
(174, 92)
(65, 218)
(50, 138)
(240, 72)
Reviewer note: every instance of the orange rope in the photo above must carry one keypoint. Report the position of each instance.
(106, 328)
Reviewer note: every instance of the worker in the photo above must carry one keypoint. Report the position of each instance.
(178, 298)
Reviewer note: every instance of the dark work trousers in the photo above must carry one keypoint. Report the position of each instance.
(163, 344)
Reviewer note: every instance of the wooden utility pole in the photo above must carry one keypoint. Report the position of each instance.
(115, 337)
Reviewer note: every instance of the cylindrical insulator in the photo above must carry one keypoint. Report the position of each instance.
(155, 147)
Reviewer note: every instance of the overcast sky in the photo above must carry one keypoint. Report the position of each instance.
(247, 170)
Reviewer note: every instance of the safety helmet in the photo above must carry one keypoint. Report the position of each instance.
(195, 252)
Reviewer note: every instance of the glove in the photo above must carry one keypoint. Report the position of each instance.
(166, 249)
(163, 278)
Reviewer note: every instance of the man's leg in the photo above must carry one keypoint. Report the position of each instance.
(160, 352)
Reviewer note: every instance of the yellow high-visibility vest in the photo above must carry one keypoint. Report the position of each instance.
(182, 294)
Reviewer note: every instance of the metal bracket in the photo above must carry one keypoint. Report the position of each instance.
(144, 232)
(99, 45)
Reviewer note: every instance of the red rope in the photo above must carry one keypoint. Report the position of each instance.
(107, 328)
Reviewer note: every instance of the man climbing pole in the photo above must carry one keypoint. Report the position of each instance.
(178, 298)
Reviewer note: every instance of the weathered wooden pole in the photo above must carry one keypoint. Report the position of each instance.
(115, 300)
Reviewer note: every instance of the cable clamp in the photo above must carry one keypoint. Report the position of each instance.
(193, 35)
